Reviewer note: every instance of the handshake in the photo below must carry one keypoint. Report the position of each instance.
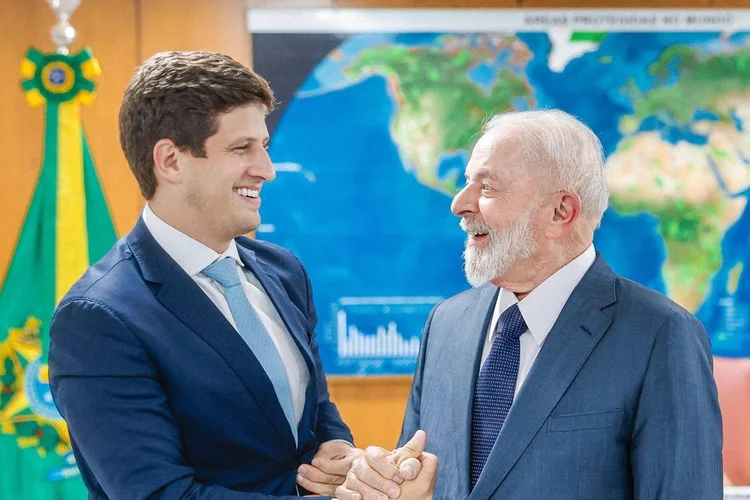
(407, 473)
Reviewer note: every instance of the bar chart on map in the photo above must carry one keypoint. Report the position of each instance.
(379, 334)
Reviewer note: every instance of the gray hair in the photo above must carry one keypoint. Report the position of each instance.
(567, 148)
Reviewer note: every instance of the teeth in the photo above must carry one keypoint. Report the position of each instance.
(248, 193)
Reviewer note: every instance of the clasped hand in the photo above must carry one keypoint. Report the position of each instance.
(407, 473)
(328, 468)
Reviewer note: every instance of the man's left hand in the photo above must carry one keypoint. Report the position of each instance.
(329, 467)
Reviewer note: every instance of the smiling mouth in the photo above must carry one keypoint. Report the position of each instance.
(476, 237)
(247, 193)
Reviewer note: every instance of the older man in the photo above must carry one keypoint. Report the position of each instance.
(553, 378)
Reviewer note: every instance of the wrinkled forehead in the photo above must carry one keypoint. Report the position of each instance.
(496, 154)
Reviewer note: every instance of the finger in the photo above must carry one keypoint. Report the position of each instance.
(409, 468)
(430, 464)
(344, 493)
(319, 488)
(377, 459)
(337, 467)
(412, 449)
(318, 476)
(365, 492)
(371, 478)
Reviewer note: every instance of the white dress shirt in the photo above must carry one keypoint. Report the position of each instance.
(193, 256)
(540, 310)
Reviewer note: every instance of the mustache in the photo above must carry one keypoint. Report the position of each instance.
(474, 226)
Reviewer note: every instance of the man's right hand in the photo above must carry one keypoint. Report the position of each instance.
(380, 474)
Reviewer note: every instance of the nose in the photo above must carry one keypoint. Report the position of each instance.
(264, 168)
(465, 202)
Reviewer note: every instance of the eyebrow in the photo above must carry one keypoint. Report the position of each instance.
(241, 140)
(482, 172)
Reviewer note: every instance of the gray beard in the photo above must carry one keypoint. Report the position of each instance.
(506, 247)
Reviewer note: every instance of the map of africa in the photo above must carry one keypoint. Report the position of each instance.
(372, 146)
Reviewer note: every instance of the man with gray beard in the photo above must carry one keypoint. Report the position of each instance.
(504, 247)
(553, 377)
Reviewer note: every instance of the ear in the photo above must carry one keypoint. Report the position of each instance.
(165, 161)
(567, 209)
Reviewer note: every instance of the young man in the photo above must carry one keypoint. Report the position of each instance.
(184, 362)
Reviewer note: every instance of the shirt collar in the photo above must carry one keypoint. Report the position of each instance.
(190, 254)
(542, 307)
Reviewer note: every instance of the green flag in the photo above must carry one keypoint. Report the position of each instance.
(67, 227)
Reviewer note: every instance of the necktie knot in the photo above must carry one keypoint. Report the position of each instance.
(511, 324)
(224, 272)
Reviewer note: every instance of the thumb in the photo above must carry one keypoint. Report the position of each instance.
(412, 449)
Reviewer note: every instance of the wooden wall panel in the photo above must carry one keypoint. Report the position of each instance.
(729, 4)
(373, 407)
(109, 27)
(219, 26)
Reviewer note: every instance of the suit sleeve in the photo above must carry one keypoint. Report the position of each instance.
(677, 436)
(411, 417)
(330, 424)
(111, 395)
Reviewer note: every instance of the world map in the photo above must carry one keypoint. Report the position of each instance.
(372, 146)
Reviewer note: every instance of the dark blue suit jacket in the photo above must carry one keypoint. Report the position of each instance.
(162, 396)
(620, 404)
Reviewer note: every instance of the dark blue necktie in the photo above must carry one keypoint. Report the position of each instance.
(493, 394)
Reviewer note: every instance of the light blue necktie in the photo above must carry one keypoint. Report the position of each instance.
(254, 334)
(496, 384)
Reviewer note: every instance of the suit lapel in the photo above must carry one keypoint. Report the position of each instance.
(184, 298)
(576, 332)
(473, 326)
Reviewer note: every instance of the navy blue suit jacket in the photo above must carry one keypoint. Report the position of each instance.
(620, 403)
(162, 396)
